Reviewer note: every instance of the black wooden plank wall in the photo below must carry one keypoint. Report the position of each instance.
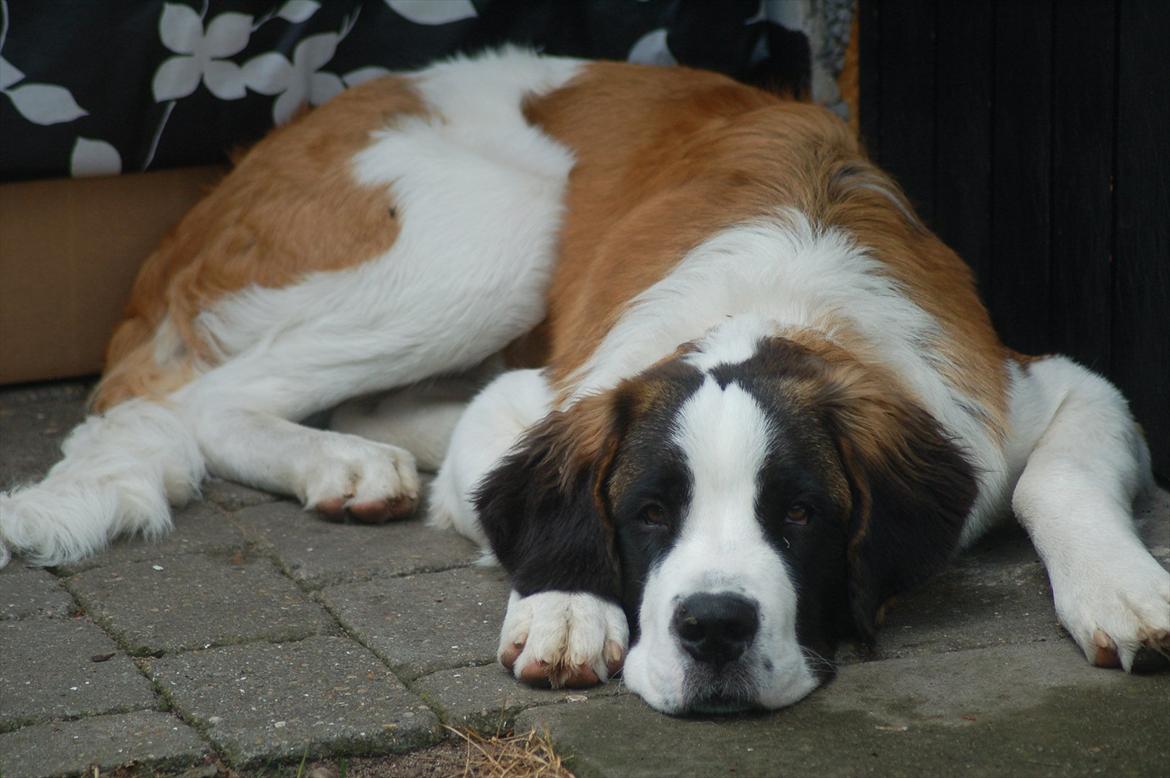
(1034, 137)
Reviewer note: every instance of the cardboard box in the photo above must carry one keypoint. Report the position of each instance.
(69, 252)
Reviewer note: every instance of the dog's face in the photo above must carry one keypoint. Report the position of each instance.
(730, 509)
(746, 516)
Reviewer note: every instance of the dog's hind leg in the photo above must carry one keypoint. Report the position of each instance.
(1086, 462)
(238, 420)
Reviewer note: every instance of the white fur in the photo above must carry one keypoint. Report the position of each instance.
(564, 630)
(1085, 463)
(493, 423)
(725, 438)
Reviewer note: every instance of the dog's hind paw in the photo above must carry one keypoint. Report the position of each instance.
(360, 479)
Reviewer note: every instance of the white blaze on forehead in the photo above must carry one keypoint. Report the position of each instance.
(724, 436)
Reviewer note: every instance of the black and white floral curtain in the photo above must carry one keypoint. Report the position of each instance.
(111, 86)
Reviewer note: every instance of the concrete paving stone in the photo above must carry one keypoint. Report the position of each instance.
(996, 594)
(324, 695)
(427, 622)
(33, 422)
(318, 553)
(198, 528)
(196, 601)
(30, 591)
(61, 668)
(487, 698)
(1010, 710)
(145, 739)
(232, 496)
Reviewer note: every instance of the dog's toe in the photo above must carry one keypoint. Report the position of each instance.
(1105, 653)
(510, 653)
(331, 509)
(382, 511)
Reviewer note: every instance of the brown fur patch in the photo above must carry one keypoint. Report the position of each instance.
(869, 205)
(667, 157)
(290, 207)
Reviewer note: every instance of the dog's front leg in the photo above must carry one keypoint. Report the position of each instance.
(569, 639)
(1075, 498)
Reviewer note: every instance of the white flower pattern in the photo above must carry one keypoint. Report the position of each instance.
(302, 80)
(201, 53)
(298, 81)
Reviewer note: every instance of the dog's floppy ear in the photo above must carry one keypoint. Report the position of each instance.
(543, 508)
(911, 487)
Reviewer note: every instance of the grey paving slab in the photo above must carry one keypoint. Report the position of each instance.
(318, 553)
(198, 528)
(33, 422)
(426, 622)
(60, 668)
(30, 591)
(145, 739)
(232, 496)
(323, 695)
(487, 698)
(998, 594)
(1010, 710)
(195, 601)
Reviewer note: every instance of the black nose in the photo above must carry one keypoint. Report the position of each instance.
(716, 628)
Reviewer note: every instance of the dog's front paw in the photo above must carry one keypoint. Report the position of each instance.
(370, 482)
(1118, 613)
(563, 639)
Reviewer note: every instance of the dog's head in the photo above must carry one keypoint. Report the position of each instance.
(745, 513)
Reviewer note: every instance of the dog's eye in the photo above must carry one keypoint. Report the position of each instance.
(654, 514)
(798, 513)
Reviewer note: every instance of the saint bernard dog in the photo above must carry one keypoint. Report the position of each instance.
(751, 396)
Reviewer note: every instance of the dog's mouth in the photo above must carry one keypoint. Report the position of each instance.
(719, 705)
(731, 688)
